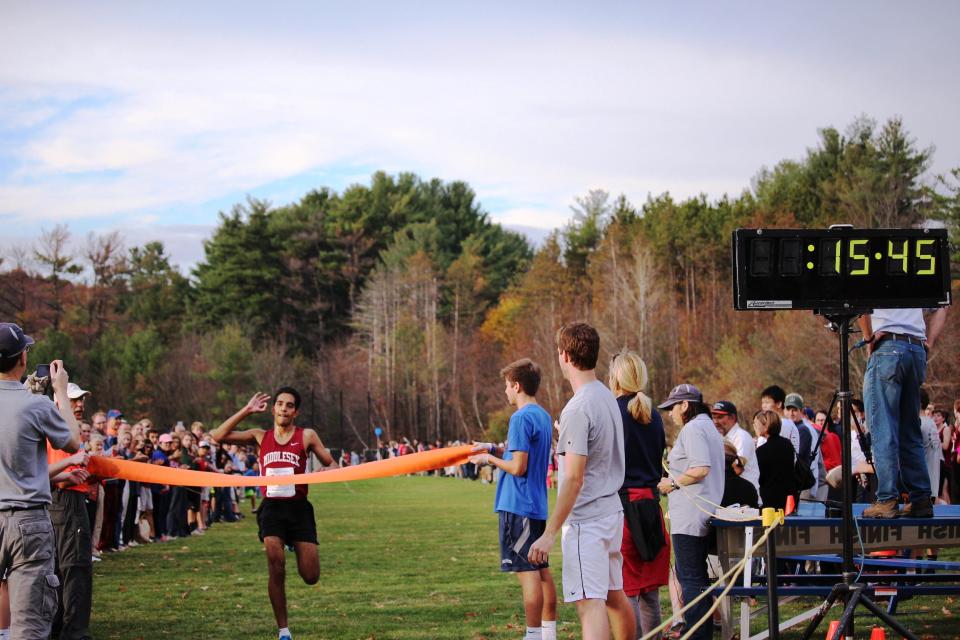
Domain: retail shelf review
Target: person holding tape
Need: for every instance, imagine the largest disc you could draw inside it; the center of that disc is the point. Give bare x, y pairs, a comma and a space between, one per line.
286, 515
521, 500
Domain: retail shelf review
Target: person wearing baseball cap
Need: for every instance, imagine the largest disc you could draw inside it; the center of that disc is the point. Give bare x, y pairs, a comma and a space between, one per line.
695, 483
112, 430
71, 521
13, 341
161, 493
725, 418
26, 421
809, 451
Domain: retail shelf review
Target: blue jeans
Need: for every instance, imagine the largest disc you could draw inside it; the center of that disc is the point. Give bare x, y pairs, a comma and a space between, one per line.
891, 397
690, 561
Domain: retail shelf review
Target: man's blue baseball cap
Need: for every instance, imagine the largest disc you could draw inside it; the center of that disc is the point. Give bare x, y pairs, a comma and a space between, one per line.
13, 340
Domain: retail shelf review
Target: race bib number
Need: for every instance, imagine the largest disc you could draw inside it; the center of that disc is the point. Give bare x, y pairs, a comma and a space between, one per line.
281, 490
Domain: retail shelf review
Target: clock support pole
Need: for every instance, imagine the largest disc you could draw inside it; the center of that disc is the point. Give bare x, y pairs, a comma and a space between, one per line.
849, 591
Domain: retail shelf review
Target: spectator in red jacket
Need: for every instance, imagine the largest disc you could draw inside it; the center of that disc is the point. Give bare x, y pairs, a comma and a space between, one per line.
831, 442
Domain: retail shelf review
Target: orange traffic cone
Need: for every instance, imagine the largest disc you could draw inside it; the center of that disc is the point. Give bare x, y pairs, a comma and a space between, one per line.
832, 631
791, 506
878, 633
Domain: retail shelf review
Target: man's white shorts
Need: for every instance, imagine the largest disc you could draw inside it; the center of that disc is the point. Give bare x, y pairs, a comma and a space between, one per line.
592, 564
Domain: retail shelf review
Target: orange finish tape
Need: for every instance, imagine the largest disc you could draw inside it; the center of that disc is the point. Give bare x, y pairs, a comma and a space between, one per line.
402, 465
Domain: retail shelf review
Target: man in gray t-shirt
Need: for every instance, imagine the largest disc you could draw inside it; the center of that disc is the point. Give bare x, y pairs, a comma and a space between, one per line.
588, 509
27, 422
591, 426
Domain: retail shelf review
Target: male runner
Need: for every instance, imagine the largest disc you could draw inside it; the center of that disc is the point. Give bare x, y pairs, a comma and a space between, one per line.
286, 515
521, 500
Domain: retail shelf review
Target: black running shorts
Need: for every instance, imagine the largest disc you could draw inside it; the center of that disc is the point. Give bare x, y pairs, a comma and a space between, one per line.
290, 520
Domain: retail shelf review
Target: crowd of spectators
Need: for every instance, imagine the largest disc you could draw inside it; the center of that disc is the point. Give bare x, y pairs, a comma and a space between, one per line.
126, 514
756, 471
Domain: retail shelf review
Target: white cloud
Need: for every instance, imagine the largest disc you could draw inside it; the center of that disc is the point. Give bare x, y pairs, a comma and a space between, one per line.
188, 112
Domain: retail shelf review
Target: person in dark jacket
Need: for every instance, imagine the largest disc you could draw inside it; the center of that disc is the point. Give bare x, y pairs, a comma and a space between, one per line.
736, 490
775, 458
645, 547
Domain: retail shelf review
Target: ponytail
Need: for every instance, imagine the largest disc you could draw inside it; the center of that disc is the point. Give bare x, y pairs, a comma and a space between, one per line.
628, 374
640, 407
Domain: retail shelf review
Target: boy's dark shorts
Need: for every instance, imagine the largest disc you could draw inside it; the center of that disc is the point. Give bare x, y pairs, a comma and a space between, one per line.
290, 520
517, 534
193, 498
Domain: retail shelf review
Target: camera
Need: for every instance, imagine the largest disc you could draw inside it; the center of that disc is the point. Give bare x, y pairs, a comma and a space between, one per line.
43, 371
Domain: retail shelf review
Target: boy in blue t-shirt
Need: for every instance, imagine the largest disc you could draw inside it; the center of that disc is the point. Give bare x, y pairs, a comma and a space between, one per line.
521, 500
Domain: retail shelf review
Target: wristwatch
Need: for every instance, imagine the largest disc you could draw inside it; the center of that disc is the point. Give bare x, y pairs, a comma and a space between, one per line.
673, 485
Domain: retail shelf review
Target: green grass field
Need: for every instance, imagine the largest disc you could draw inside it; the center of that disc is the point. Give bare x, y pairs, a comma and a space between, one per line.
403, 558
409, 557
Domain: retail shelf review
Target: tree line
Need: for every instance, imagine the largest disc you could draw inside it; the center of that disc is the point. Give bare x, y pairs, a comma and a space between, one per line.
394, 304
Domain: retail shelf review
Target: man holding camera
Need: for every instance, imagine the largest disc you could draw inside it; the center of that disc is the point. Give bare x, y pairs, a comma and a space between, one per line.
27, 422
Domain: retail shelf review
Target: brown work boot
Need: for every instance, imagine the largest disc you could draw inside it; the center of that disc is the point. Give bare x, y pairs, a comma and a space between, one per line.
885, 509
918, 510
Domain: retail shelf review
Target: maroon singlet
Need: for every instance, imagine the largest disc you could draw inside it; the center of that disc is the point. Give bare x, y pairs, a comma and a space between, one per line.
283, 459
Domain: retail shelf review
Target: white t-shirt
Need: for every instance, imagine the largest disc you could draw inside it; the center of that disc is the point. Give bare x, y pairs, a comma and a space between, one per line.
591, 425
747, 450
856, 452
932, 452
816, 465
908, 321
789, 431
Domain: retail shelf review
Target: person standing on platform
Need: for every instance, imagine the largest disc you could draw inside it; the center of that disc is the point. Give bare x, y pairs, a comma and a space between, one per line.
898, 341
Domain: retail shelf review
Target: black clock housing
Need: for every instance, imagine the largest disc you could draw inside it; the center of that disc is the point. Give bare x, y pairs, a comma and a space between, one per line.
841, 269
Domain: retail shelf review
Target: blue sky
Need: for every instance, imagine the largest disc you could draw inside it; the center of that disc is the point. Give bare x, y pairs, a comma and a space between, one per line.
149, 118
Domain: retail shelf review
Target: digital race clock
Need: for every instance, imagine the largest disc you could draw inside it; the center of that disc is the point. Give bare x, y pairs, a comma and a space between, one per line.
840, 268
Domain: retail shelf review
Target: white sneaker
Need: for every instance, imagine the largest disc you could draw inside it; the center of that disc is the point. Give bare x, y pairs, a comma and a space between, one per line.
97, 558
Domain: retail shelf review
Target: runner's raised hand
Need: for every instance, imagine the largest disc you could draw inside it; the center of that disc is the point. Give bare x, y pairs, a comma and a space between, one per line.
259, 403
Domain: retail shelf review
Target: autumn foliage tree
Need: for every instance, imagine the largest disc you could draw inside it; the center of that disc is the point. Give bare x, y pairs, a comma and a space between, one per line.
394, 304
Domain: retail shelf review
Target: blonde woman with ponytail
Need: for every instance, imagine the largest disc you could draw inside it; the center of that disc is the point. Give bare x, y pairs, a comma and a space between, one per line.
646, 546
